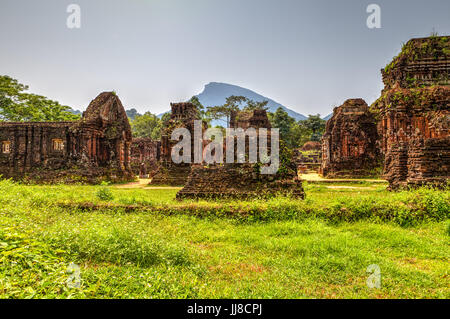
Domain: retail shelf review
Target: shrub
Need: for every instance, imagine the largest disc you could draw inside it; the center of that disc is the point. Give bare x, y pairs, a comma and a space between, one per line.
104, 193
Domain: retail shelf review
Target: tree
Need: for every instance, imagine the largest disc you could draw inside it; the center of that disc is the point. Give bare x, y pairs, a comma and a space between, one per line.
202, 112
281, 120
201, 109
219, 112
316, 125
287, 125
234, 103
252, 105
165, 118
147, 125
132, 113
231, 105
18, 105
299, 135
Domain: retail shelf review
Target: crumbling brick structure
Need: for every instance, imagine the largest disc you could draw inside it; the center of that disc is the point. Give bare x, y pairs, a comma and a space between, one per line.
308, 158
243, 180
169, 173
145, 156
414, 114
90, 150
349, 145
245, 119
237, 181
312, 146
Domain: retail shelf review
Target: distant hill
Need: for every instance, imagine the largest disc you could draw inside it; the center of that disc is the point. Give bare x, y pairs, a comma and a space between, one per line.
216, 93
132, 113
76, 112
326, 118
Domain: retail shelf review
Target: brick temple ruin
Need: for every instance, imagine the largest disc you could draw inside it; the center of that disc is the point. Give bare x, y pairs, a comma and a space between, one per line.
349, 144
241, 180
412, 117
407, 128
169, 173
145, 156
95, 148
414, 114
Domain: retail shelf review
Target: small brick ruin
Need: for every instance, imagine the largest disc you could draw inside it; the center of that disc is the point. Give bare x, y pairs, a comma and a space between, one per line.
237, 181
414, 114
246, 119
241, 180
169, 173
349, 144
312, 146
95, 148
308, 158
145, 157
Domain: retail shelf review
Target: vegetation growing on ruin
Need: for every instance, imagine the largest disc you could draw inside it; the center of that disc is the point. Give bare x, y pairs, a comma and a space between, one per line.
282, 248
415, 49
414, 97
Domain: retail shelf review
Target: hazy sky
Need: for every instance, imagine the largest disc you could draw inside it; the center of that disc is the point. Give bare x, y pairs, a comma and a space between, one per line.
307, 55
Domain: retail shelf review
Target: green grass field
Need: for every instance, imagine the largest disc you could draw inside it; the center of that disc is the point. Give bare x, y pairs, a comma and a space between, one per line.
142, 243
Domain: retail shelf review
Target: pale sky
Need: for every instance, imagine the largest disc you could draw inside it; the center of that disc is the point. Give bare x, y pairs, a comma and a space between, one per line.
307, 55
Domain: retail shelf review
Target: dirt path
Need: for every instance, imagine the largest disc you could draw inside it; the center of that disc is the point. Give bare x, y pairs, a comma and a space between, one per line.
350, 187
143, 183
314, 177
139, 184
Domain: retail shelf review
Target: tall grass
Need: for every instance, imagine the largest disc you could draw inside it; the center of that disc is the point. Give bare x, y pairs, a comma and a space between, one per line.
144, 244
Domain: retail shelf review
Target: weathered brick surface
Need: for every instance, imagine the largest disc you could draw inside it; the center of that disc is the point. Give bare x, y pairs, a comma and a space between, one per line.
312, 146
245, 119
169, 173
237, 181
349, 144
95, 148
414, 114
415, 135
308, 158
145, 156
422, 62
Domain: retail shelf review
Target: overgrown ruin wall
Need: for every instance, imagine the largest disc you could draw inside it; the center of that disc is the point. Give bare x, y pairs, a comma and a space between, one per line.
169, 173
95, 148
245, 119
308, 158
349, 144
414, 114
145, 156
237, 181
243, 180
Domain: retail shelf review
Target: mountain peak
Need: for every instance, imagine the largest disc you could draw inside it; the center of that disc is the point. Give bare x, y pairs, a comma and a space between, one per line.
215, 93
